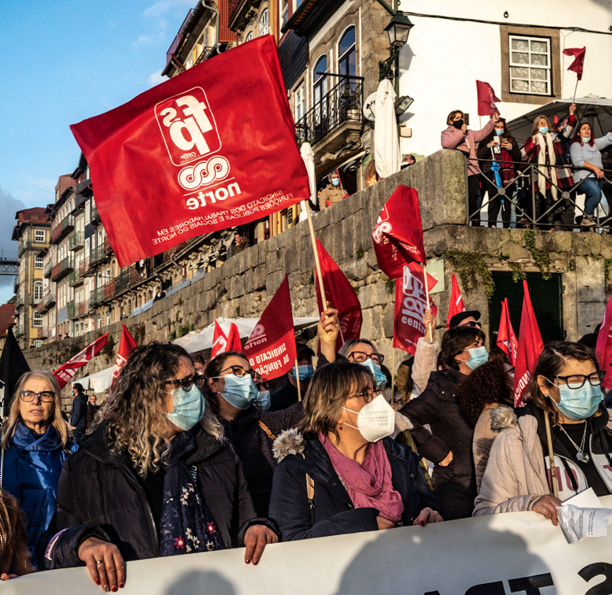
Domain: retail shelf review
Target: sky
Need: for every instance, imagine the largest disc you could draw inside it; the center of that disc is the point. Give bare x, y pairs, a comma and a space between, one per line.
64, 62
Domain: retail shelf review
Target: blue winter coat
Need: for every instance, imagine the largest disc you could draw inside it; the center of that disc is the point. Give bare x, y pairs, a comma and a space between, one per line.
32, 466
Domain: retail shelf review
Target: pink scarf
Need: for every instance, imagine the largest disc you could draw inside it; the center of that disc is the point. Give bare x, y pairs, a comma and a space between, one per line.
369, 485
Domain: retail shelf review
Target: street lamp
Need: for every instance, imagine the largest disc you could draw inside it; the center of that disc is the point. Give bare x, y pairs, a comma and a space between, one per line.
398, 30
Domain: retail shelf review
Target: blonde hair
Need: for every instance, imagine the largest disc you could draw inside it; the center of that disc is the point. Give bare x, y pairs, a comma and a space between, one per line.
10, 426
536, 125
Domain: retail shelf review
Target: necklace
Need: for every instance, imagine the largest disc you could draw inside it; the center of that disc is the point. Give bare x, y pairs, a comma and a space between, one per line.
582, 456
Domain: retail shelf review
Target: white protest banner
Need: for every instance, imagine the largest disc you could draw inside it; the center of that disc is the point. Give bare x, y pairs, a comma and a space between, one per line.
494, 555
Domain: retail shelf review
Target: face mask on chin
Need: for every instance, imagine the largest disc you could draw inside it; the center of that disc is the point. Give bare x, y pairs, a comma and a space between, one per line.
585, 139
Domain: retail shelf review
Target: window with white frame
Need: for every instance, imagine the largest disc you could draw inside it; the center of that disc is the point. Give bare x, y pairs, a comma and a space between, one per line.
249, 37
264, 23
39, 236
346, 51
38, 319
300, 102
39, 262
530, 65
38, 291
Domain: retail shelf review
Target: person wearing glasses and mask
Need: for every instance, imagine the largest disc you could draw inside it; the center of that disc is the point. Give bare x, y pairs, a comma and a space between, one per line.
35, 441
233, 397
155, 479
566, 387
339, 472
287, 395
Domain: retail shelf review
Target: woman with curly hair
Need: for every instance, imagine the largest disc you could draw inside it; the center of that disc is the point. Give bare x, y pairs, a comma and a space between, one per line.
485, 399
154, 479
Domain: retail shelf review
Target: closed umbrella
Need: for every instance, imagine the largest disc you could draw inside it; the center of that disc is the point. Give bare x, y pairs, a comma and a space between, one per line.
309, 162
386, 139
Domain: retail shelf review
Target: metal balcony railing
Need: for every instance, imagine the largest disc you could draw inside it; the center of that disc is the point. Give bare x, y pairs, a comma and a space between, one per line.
98, 256
62, 229
19, 302
76, 241
96, 297
83, 309
74, 278
84, 267
343, 103
72, 309
47, 269
122, 281
48, 300
62, 269
95, 215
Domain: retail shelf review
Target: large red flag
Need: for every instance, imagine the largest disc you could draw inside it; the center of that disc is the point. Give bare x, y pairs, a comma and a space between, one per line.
456, 305
398, 235
233, 339
340, 295
604, 345
530, 346
577, 65
65, 373
219, 341
410, 306
506, 339
271, 347
126, 346
207, 150
486, 99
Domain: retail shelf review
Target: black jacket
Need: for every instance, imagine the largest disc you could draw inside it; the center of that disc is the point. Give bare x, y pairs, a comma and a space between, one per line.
437, 405
253, 446
485, 157
100, 495
333, 512
284, 397
78, 416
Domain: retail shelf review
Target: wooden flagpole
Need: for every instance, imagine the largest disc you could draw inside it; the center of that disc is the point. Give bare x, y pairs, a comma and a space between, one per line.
551, 456
316, 255
297, 378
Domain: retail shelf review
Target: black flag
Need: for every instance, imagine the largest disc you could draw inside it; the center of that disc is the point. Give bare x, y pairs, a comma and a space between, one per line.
12, 365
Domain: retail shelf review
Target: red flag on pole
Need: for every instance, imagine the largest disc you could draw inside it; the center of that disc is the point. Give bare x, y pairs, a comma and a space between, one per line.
577, 65
184, 140
340, 295
410, 306
456, 305
126, 346
506, 339
219, 341
604, 345
65, 373
398, 235
486, 99
271, 347
233, 339
530, 346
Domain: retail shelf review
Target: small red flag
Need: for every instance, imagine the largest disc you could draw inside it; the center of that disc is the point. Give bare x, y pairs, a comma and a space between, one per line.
577, 65
233, 339
126, 346
398, 235
271, 347
456, 305
506, 339
219, 341
604, 345
410, 306
486, 99
340, 295
65, 373
530, 346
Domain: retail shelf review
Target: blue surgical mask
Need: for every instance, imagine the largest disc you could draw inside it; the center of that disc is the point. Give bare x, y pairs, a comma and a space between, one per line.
579, 403
239, 391
478, 356
305, 372
263, 400
379, 377
499, 131
585, 139
188, 408
543, 130
336, 182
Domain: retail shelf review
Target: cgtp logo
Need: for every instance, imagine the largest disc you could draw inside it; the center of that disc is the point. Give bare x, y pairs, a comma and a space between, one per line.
258, 336
383, 226
188, 126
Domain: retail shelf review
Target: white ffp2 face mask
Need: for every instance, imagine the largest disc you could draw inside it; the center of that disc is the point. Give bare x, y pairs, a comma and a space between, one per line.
376, 420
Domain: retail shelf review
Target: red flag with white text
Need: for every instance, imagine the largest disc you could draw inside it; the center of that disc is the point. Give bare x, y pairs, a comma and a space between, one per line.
604, 346
340, 295
577, 65
219, 341
196, 154
65, 373
486, 99
530, 346
410, 306
126, 346
456, 305
506, 339
398, 235
271, 347
233, 339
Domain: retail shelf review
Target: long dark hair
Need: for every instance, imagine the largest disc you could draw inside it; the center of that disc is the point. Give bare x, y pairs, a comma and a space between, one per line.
578, 136
455, 341
213, 370
506, 135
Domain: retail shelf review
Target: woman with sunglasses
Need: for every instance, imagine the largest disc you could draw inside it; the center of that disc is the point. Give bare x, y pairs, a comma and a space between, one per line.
155, 478
35, 440
232, 394
566, 388
339, 472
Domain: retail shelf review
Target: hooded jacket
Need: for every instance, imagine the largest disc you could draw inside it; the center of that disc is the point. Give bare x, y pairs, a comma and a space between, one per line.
100, 495
32, 468
332, 511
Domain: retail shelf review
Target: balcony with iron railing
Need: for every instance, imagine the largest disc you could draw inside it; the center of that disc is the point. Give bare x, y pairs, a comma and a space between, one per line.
83, 309
84, 268
122, 281
98, 256
107, 246
76, 241
19, 302
96, 297
75, 279
109, 290
62, 269
72, 309
29, 244
95, 215
47, 269
62, 229
48, 301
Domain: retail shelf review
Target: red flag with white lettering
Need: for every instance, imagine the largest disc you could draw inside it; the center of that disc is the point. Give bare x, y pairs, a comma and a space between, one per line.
195, 154
65, 373
340, 295
455, 305
126, 346
530, 346
604, 345
219, 341
506, 339
410, 306
233, 339
271, 347
398, 235
486, 99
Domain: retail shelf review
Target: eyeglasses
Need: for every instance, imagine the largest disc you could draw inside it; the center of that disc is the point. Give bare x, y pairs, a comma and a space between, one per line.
185, 383
473, 324
576, 381
368, 395
199, 380
362, 356
238, 371
46, 396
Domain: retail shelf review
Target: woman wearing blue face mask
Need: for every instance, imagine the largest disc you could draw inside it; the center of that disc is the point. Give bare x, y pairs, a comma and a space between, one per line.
566, 387
154, 479
232, 395
287, 395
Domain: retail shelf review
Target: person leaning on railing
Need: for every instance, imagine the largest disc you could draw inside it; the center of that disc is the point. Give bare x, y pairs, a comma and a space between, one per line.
586, 154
